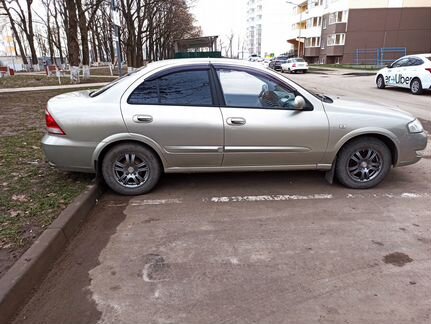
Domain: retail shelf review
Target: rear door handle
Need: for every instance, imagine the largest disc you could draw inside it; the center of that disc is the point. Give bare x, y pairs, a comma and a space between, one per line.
236, 121
142, 118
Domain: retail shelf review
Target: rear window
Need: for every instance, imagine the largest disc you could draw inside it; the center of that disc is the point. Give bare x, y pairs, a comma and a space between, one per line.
299, 60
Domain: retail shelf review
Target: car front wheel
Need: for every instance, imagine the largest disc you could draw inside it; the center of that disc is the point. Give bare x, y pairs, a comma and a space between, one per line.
363, 163
380, 82
131, 169
416, 86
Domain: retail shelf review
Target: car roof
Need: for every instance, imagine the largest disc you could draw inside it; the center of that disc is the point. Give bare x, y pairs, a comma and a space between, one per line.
417, 55
192, 61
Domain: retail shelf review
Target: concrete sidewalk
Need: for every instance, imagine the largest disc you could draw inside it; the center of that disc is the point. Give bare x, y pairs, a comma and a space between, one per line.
57, 87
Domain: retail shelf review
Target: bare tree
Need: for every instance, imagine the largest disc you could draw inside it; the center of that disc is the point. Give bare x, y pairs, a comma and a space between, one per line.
5, 5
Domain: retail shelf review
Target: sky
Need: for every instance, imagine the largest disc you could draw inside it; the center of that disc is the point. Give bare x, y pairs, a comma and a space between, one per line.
222, 17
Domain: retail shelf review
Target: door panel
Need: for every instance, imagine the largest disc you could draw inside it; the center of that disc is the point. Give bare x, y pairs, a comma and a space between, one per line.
261, 126
274, 137
166, 109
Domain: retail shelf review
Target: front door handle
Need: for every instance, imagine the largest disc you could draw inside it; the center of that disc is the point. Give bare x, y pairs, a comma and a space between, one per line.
236, 121
142, 118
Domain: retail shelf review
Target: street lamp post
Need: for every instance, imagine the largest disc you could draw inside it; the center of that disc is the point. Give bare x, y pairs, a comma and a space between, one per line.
300, 21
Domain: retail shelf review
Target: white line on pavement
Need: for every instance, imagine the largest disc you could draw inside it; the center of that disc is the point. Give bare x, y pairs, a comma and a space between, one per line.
263, 198
156, 202
267, 198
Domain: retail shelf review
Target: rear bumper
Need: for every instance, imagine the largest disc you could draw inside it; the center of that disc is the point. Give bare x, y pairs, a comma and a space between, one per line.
68, 155
299, 68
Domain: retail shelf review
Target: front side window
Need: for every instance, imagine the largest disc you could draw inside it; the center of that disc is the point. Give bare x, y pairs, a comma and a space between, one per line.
185, 88
248, 90
400, 63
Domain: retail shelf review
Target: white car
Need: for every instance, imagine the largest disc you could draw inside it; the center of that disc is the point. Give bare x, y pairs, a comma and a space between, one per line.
411, 71
295, 64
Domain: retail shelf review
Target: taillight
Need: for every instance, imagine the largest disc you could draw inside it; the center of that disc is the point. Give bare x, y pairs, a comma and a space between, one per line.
51, 125
429, 70
294, 65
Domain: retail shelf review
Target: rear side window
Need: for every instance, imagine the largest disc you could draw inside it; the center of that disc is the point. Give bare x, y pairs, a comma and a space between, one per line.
415, 61
185, 88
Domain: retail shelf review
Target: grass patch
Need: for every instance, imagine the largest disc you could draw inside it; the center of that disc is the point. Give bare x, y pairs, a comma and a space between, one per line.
18, 81
32, 193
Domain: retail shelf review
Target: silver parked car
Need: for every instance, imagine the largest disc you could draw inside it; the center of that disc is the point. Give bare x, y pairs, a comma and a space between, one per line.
205, 115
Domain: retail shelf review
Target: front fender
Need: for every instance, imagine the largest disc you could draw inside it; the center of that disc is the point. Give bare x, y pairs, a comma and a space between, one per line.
337, 144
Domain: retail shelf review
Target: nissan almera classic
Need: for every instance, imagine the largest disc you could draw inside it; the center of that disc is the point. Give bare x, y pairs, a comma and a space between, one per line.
206, 115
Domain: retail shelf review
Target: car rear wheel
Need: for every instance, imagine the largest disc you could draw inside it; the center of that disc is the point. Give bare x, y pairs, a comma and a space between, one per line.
380, 82
131, 169
416, 86
363, 163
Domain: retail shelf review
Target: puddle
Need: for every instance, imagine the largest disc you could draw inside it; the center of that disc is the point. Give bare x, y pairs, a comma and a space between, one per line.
397, 259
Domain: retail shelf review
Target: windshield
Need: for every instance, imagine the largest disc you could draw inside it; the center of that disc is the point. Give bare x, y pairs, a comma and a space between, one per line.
113, 83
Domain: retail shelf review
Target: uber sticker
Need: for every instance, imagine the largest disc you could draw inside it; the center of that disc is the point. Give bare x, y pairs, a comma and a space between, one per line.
398, 79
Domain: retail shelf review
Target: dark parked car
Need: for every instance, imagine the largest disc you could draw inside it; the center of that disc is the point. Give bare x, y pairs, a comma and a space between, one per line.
275, 64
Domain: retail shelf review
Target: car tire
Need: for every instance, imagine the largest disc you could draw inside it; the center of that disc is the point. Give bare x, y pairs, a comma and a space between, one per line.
131, 169
416, 86
380, 82
363, 163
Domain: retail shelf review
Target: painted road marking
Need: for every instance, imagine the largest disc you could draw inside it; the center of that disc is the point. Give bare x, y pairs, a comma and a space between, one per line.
267, 198
156, 202
274, 198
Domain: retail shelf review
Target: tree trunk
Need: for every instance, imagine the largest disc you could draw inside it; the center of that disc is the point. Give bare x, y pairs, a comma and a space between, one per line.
73, 44
30, 37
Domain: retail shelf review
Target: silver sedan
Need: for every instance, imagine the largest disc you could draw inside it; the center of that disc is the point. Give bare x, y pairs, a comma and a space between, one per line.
210, 115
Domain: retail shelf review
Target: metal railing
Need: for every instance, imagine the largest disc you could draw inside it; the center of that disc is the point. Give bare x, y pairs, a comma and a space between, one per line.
378, 56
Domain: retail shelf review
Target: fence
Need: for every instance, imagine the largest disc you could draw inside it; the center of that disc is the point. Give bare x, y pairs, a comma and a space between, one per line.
378, 56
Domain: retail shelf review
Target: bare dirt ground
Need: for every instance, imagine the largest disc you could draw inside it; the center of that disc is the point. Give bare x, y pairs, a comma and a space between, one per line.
23, 81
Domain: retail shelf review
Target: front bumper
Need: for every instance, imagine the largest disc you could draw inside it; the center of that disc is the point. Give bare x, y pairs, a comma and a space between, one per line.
68, 155
411, 148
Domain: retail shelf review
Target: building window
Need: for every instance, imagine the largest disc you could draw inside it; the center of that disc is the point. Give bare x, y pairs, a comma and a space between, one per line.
338, 17
312, 42
336, 39
314, 22
324, 22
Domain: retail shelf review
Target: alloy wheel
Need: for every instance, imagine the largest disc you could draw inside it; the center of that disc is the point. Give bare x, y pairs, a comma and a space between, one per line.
131, 170
364, 165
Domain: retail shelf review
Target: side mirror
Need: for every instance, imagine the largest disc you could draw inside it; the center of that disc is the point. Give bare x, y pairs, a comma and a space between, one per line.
299, 103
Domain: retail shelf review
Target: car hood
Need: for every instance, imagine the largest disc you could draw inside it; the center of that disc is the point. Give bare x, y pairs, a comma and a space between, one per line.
366, 108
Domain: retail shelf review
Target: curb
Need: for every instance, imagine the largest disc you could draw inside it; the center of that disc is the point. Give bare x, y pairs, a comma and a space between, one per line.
30, 269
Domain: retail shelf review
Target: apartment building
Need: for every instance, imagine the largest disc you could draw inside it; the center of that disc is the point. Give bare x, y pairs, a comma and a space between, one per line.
352, 31
266, 27
7, 47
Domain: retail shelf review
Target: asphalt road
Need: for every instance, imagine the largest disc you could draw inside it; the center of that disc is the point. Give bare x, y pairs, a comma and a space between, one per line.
280, 247
348, 85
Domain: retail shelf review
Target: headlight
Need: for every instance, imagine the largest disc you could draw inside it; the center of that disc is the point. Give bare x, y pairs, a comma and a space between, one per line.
415, 126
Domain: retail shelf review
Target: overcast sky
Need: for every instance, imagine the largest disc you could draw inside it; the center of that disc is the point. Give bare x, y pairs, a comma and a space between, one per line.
221, 17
